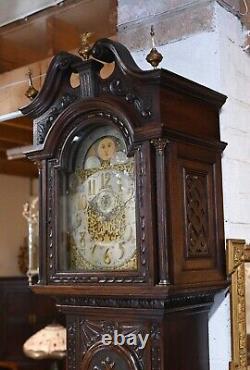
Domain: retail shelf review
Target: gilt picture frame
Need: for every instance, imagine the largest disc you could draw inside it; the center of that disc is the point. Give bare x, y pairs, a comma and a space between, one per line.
238, 254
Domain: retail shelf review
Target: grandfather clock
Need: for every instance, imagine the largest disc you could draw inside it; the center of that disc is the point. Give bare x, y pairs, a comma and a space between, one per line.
131, 220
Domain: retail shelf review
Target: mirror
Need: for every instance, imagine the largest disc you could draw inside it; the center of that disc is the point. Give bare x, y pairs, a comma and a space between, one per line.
238, 269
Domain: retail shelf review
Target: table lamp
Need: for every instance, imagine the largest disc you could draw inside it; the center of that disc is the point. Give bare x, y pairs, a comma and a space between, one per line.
47, 343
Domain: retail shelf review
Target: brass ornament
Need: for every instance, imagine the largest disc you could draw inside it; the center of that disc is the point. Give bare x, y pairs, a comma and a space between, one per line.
120, 167
31, 92
154, 57
85, 48
105, 230
160, 144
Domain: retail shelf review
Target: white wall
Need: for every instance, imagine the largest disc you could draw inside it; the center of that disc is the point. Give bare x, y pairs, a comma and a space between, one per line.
14, 192
235, 128
216, 59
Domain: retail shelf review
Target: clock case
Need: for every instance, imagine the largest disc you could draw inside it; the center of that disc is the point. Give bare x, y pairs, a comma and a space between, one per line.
171, 126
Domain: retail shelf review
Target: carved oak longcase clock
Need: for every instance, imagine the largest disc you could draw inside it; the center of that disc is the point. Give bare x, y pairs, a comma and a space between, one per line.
131, 222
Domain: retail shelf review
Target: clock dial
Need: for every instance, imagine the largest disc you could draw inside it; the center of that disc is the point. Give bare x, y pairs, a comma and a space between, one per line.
102, 230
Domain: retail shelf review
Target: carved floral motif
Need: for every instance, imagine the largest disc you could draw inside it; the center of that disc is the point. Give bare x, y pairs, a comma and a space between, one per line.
168, 302
106, 364
117, 87
160, 144
43, 124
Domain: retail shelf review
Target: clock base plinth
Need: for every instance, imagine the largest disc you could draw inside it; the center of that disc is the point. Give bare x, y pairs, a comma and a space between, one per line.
136, 337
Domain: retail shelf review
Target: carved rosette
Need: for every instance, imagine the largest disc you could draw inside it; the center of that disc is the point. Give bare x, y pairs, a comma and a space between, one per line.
106, 364
97, 356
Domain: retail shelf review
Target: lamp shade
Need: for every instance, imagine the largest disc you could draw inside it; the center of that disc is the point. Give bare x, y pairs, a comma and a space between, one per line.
49, 342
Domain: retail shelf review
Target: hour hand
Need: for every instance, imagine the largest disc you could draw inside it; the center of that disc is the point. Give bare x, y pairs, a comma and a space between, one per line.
104, 203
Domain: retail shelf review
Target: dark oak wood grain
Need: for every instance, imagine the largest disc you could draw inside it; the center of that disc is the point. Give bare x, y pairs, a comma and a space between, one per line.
171, 125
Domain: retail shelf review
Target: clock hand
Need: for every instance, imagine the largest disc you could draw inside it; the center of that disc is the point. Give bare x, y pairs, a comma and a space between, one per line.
94, 248
122, 251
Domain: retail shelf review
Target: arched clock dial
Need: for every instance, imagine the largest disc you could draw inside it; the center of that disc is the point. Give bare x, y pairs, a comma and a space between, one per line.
102, 205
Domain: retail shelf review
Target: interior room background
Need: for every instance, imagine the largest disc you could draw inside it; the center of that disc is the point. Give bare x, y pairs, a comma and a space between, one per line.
205, 41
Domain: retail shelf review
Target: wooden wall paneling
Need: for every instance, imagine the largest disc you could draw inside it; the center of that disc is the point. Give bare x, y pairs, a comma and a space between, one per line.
22, 314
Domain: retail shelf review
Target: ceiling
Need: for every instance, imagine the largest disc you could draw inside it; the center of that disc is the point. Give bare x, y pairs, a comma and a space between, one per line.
57, 27
34, 30
20, 9
31, 31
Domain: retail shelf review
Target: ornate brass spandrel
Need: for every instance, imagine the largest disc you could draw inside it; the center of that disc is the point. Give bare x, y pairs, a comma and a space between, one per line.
238, 253
84, 174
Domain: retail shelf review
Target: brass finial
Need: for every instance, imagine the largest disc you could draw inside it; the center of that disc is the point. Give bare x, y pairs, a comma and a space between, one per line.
154, 57
85, 47
31, 92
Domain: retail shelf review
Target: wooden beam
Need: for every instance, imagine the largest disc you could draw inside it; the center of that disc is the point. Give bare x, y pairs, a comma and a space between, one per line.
56, 28
23, 167
61, 35
4, 145
15, 135
24, 123
16, 54
17, 152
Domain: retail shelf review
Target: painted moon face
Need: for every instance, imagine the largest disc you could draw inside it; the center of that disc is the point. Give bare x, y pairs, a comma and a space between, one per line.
106, 149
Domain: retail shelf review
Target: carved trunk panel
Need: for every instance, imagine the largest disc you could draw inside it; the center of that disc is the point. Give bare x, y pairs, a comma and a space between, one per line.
196, 213
86, 350
172, 334
195, 204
